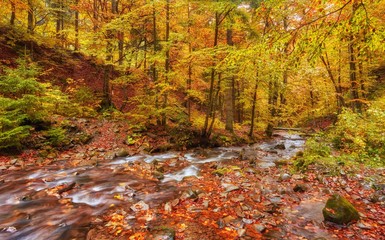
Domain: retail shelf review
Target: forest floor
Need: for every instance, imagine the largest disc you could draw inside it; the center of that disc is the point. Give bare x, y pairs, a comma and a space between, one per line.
243, 201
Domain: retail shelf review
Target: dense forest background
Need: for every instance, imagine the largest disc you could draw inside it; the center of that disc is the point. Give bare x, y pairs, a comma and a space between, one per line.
210, 65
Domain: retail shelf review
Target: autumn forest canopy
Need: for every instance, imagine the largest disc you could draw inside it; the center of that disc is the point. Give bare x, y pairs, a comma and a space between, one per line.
213, 66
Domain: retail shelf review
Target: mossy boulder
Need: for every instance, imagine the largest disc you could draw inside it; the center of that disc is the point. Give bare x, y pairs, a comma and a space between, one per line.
339, 210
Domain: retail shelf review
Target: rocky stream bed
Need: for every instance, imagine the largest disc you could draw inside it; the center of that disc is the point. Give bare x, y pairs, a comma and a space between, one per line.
222, 193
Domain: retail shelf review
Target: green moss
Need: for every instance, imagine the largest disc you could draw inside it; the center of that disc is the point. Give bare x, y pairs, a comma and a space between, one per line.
222, 171
339, 210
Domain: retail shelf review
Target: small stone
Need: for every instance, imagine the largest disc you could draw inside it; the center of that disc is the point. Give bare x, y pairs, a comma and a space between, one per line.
363, 225
275, 200
228, 219
140, 206
241, 232
14, 161
259, 227
10, 229
122, 153
168, 207
14, 168
206, 204
247, 221
239, 198
229, 187
256, 198
297, 177
284, 177
163, 233
221, 223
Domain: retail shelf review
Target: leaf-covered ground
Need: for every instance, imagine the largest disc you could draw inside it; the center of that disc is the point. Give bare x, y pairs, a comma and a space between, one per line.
248, 202
229, 200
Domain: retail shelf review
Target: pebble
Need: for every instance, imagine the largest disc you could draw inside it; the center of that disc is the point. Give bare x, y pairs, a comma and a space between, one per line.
229, 187
247, 221
363, 225
284, 177
140, 206
259, 227
241, 232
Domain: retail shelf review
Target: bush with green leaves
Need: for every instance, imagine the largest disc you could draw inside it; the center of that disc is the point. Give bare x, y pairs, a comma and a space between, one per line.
25, 103
356, 138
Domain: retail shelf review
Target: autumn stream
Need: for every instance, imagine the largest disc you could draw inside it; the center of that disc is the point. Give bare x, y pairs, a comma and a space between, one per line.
54, 202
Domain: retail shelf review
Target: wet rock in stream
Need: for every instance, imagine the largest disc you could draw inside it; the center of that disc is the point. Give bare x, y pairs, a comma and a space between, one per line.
339, 210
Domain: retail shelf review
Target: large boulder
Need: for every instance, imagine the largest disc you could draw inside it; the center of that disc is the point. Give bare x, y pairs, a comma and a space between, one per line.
339, 210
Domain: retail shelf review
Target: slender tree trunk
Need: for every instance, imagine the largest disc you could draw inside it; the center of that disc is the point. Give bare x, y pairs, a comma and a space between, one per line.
13, 13
167, 62
58, 20
210, 105
353, 77
107, 101
355, 98
30, 17
337, 86
154, 71
229, 93
77, 26
254, 104
273, 101
95, 15
189, 71
121, 47
218, 89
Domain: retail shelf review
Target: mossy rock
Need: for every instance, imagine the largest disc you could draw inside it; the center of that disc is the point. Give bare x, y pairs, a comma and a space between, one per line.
122, 153
162, 233
339, 210
221, 171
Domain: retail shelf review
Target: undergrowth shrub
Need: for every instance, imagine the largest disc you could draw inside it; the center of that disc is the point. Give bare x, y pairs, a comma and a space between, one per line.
355, 138
26, 104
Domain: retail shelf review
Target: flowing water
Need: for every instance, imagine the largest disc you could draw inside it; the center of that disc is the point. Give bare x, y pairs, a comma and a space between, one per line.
53, 202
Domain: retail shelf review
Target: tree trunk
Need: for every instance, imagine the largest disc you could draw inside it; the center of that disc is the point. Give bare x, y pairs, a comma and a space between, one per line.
107, 102
77, 26
121, 47
13, 13
337, 86
210, 104
167, 63
354, 86
229, 93
214, 105
30, 17
153, 66
254, 107
189, 72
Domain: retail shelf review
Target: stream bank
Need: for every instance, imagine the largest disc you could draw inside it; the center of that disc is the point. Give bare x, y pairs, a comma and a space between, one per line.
220, 193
